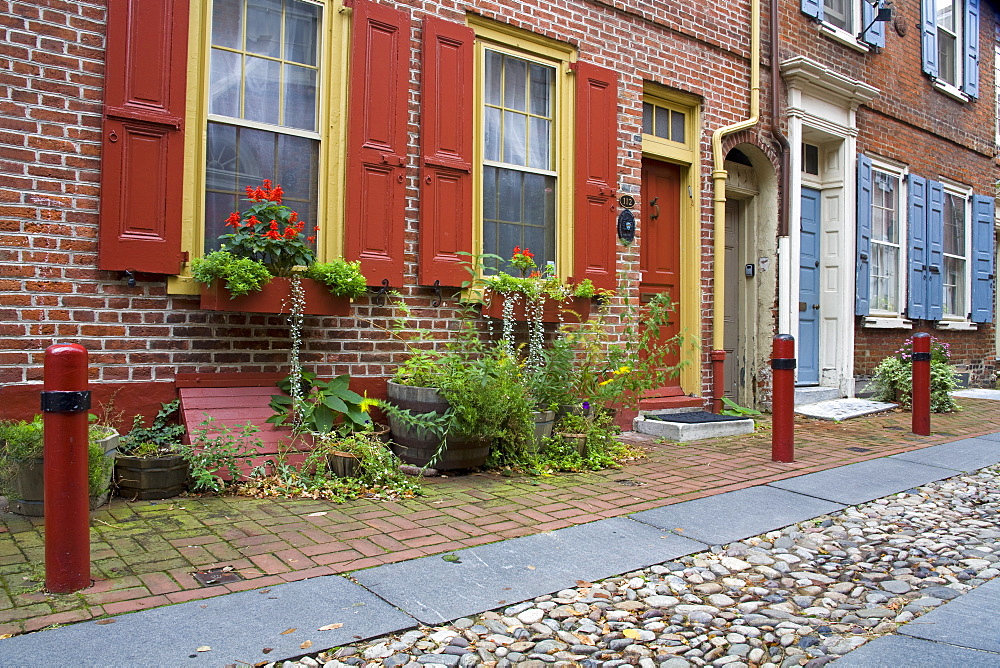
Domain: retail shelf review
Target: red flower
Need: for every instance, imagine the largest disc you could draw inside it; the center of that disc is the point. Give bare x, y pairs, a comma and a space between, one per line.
528, 253
273, 234
233, 220
291, 232
276, 194
311, 239
274, 225
252, 220
517, 250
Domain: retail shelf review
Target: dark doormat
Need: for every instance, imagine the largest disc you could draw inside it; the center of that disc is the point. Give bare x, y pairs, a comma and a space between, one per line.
694, 417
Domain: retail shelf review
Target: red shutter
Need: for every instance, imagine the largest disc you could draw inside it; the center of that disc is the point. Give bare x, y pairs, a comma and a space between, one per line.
596, 175
142, 165
376, 144
446, 140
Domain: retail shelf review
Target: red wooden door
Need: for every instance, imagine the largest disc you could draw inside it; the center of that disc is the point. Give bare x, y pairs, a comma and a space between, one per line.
659, 250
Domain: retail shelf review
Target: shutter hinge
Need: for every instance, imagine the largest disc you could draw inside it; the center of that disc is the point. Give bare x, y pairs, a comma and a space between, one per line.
185, 256
346, 4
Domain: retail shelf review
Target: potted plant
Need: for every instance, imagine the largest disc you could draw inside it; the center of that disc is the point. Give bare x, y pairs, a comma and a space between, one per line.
266, 253
458, 406
150, 464
22, 467
536, 295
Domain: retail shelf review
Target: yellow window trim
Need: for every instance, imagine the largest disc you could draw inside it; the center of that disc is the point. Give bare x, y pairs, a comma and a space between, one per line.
688, 158
332, 128
523, 44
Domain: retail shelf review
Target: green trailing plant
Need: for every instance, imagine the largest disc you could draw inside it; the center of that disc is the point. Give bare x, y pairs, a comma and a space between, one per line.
160, 438
214, 448
325, 405
893, 377
341, 277
242, 275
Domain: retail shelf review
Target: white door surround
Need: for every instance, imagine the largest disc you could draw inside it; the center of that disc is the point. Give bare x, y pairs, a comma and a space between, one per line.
822, 110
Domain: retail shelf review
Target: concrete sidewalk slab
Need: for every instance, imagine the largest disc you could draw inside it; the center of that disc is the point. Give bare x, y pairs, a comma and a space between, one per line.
990, 437
864, 481
843, 409
894, 651
721, 519
237, 627
969, 454
976, 393
435, 590
968, 621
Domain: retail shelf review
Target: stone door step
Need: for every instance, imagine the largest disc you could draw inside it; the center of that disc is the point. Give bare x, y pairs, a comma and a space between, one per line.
843, 409
686, 431
812, 395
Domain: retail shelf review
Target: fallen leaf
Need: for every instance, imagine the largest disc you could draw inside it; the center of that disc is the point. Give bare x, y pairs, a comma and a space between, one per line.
631, 633
306, 645
452, 558
227, 569
530, 568
287, 631
584, 583
204, 648
267, 650
501, 601
319, 514
329, 627
679, 529
102, 622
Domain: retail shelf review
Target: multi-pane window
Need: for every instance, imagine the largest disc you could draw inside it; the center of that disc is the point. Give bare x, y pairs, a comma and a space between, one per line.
949, 31
955, 256
838, 13
664, 122
886, 251
519, 161
263, 106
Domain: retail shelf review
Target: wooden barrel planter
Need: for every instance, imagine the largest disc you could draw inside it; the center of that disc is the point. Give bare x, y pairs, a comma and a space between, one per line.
29, 484
149, 478
417, 446
544, 420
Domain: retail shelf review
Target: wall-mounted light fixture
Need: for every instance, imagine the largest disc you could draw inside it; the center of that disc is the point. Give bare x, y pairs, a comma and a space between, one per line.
883, 13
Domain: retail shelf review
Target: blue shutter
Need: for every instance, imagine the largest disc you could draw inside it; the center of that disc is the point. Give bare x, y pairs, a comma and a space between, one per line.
935, 250
982, 259
928, 26
916, 305
862, 304
813, 8
876, 34
970, 85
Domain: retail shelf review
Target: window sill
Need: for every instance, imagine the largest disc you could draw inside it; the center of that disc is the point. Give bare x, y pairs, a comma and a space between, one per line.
956, 325
949, 90
887, 322
844, 37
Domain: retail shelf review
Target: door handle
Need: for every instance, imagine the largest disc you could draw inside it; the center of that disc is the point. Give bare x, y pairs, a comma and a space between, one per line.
656, 209
816, 306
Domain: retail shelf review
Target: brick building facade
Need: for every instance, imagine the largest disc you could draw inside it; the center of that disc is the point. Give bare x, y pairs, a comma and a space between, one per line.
96, 240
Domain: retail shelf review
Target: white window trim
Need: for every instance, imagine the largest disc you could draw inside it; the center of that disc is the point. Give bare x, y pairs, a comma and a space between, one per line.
880, 318
844, 37
949, 90
954, 321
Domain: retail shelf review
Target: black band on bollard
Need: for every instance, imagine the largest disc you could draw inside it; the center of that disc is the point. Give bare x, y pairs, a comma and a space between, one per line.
783, 363
921, 357
65, 401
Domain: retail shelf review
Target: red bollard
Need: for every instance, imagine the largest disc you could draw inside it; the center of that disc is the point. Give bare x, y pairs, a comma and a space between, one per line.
921, 397
65, 401
718, 379
783, 399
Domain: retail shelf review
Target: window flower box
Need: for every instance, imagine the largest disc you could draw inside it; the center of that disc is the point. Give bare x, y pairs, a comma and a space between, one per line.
571, 309
275, 297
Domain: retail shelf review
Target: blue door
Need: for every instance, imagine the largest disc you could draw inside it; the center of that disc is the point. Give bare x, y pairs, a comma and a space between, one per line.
808, 343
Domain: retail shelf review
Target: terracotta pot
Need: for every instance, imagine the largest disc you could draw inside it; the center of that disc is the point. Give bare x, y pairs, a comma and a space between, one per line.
572, 309
276, 297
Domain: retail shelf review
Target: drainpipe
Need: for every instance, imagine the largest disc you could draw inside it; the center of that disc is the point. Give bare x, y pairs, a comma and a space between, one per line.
783, 145
719, 175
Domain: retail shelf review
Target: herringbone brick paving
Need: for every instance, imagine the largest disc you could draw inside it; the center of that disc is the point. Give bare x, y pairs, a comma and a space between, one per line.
144, 553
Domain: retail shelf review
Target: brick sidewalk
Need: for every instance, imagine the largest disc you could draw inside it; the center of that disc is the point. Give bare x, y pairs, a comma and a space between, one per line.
144, 552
